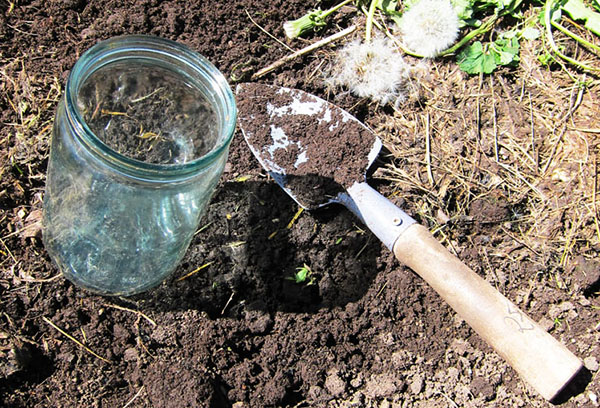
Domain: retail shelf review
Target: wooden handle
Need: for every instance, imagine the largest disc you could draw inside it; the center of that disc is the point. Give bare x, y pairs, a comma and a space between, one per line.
542, 361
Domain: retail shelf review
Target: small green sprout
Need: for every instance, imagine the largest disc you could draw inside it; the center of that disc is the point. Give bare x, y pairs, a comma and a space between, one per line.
243, 178
303, 275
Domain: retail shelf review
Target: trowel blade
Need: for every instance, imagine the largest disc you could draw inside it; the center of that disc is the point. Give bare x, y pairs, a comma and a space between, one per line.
286, 130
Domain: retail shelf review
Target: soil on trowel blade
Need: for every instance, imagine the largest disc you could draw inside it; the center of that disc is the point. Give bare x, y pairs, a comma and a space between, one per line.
318, 149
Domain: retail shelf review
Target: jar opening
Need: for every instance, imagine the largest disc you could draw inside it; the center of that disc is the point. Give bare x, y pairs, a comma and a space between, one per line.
150, 105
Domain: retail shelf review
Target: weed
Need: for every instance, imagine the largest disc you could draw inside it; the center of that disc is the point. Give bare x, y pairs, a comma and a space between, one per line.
429, 27
303, 275
373, 70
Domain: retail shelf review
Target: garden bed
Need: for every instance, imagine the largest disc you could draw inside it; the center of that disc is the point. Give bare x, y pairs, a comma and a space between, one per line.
502, 168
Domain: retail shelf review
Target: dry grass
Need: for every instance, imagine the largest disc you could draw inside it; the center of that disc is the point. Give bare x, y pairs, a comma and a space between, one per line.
31, 97
526, 145
28, 100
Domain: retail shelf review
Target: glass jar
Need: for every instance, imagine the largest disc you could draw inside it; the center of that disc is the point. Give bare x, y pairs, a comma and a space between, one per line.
139, 143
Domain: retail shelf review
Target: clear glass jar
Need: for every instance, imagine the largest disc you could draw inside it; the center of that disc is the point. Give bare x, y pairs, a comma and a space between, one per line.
140, 141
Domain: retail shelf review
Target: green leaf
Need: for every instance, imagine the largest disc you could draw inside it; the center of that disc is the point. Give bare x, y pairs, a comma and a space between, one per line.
387, 6
545, 58
578, 10
530, 33
509, 34
301, 275
504, 4
474, 59
505, 51
409, 3
464, 10
390, 8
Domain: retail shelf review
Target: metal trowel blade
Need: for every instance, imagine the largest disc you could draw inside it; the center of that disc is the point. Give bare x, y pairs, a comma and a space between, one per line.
276, 123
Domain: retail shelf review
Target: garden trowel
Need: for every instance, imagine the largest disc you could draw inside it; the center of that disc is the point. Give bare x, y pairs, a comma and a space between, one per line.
280, 125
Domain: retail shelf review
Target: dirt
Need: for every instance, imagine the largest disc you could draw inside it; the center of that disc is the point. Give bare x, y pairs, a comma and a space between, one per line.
232, 328
148, 114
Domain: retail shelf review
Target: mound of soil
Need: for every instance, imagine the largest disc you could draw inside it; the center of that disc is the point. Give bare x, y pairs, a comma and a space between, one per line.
233, 328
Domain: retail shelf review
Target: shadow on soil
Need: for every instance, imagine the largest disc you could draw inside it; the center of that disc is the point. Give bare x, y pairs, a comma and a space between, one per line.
252, 247
576, 386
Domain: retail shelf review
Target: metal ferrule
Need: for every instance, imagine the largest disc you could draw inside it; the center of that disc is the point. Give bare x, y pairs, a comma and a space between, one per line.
378, 213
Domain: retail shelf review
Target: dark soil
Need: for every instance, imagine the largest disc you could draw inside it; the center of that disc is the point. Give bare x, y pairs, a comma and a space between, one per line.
231, 328
148, 114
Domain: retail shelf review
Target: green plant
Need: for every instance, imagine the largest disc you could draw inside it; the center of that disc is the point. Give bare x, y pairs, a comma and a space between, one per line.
316, 18
475, 55
551, 17
303, 275
310, 21
485, 58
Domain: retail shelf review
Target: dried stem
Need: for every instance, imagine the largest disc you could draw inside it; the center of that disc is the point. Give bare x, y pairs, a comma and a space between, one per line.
126, 309
304, 51
268, 33
137, 394
428, 150
74, 340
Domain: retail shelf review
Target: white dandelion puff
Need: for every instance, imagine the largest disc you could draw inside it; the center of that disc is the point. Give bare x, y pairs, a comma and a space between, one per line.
429, 27
374, 70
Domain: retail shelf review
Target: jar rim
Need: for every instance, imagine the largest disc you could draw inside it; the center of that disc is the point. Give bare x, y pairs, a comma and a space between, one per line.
125, 47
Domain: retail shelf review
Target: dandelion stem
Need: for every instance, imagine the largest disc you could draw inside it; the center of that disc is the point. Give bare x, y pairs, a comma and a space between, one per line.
485, 27
370, 16
548, 23
335, 8
574, 36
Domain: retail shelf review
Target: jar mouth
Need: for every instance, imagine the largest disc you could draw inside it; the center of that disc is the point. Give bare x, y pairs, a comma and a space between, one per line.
162, 55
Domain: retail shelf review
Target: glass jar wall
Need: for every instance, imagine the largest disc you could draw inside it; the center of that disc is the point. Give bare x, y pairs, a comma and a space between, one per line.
139, 143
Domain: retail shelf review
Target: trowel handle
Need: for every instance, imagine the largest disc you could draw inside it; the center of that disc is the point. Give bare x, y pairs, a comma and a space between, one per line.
541, 360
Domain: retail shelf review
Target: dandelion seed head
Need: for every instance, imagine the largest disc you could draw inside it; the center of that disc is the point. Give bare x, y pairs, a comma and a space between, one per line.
373, 70
430, 27
291, 31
